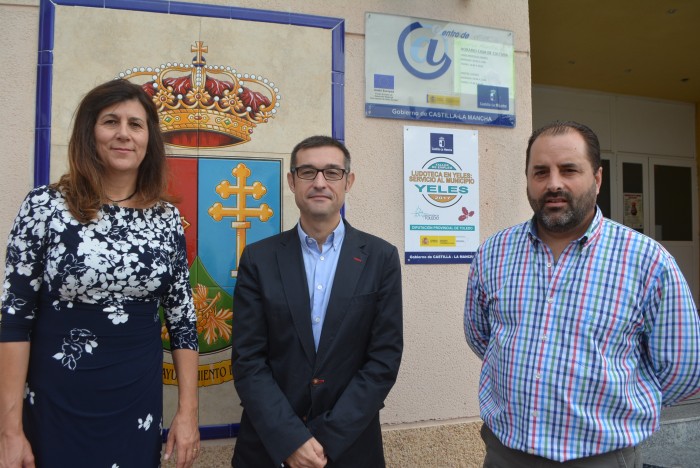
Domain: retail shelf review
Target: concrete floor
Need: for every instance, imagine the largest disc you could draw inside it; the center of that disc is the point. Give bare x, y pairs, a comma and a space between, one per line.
677, 443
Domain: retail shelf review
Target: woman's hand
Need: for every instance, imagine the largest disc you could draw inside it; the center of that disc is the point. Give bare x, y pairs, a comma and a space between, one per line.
184, 438
15, 451
184, 430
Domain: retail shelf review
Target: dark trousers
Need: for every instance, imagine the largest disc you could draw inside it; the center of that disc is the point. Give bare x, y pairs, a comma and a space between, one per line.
500, 456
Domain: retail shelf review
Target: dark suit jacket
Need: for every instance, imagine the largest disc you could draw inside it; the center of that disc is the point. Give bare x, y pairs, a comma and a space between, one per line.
290, 392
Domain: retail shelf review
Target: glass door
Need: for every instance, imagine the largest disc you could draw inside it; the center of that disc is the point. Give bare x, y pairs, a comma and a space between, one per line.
606, 201
658, 197
633, 193
674, 214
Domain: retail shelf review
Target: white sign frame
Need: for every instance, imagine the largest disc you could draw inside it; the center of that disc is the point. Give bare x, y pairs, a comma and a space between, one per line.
422, 69
441, 195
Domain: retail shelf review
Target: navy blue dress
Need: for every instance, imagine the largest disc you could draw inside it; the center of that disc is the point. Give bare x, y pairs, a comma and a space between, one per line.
86, 296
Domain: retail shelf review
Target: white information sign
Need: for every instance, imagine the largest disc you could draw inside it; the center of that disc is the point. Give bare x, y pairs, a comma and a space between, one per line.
421, 69
441, 195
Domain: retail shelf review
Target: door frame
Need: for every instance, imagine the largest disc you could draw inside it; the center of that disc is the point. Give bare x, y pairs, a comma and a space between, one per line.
618, 193
648, 200
694, 281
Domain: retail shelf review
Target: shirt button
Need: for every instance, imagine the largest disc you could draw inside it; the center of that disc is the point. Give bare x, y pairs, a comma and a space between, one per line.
534, 415
544, 338
531, 451
538, 376
317, 319
319, 287
321, 257
549, 265
550, 300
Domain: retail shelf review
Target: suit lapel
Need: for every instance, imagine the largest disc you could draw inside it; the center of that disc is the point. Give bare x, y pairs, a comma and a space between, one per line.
351, 263
291, 267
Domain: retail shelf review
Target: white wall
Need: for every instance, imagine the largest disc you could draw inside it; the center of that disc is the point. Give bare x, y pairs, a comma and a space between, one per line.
439, 375
623, 123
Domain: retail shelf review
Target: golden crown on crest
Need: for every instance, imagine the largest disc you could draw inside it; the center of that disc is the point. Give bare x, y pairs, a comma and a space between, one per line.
211, 105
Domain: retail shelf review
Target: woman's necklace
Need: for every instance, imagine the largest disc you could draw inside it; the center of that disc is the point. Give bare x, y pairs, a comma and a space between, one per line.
117, 202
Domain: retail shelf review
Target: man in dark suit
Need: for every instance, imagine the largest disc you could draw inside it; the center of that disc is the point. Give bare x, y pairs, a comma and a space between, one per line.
317, 328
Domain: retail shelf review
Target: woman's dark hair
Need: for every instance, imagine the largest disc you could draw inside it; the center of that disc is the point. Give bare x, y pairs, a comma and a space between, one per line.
83, 185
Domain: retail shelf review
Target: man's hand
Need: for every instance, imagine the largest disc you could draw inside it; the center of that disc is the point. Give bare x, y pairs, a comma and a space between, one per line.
309, 455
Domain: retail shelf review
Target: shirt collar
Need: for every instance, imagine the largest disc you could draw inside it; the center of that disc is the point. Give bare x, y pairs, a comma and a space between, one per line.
585, 240
335, 239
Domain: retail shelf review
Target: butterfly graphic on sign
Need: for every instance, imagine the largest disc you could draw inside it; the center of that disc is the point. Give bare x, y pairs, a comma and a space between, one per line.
466, 214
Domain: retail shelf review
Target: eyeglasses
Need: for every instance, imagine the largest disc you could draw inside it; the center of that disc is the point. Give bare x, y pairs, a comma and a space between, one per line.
310, 173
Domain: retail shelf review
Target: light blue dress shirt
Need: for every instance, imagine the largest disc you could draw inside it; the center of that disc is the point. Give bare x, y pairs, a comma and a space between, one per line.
320, 265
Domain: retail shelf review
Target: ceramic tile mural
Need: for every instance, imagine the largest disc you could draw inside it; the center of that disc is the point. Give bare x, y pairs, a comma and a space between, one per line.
236, 90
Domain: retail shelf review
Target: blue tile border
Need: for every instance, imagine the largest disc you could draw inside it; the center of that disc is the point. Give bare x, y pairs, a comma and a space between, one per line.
195, 9
222, 431
263, 16
46, 22
42, 139
153, 6
338, 104
44, 79
86, 3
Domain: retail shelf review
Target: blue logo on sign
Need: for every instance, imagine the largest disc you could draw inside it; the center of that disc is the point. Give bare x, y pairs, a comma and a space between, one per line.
492, 97
441, 143
420, 54
383, 81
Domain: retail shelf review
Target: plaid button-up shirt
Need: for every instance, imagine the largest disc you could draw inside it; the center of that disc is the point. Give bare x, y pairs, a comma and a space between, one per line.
580, 354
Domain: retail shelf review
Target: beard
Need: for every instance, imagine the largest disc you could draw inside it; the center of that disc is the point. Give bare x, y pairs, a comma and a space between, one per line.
567, 218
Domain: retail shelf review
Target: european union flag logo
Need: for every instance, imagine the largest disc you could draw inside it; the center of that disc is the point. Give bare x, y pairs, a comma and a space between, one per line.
384, 81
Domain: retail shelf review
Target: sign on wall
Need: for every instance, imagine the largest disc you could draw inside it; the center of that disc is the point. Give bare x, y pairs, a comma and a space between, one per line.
422, 69
441, 195
633, 210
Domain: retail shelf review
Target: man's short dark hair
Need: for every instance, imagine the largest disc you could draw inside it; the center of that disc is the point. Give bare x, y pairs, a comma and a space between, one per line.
319, 141
561, 128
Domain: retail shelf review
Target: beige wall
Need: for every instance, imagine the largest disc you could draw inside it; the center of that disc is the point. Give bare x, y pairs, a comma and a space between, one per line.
436, 393
19, 34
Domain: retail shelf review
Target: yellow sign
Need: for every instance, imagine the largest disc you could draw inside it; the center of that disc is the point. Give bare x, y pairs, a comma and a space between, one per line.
215, 373
442, 99
438, 241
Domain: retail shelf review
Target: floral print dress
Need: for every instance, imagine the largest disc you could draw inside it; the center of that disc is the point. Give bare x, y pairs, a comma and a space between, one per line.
87, 297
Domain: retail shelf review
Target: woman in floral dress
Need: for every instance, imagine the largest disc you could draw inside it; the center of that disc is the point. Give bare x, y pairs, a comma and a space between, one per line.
89, 261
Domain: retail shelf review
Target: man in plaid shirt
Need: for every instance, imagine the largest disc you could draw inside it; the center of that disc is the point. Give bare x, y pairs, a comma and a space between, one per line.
586, 327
